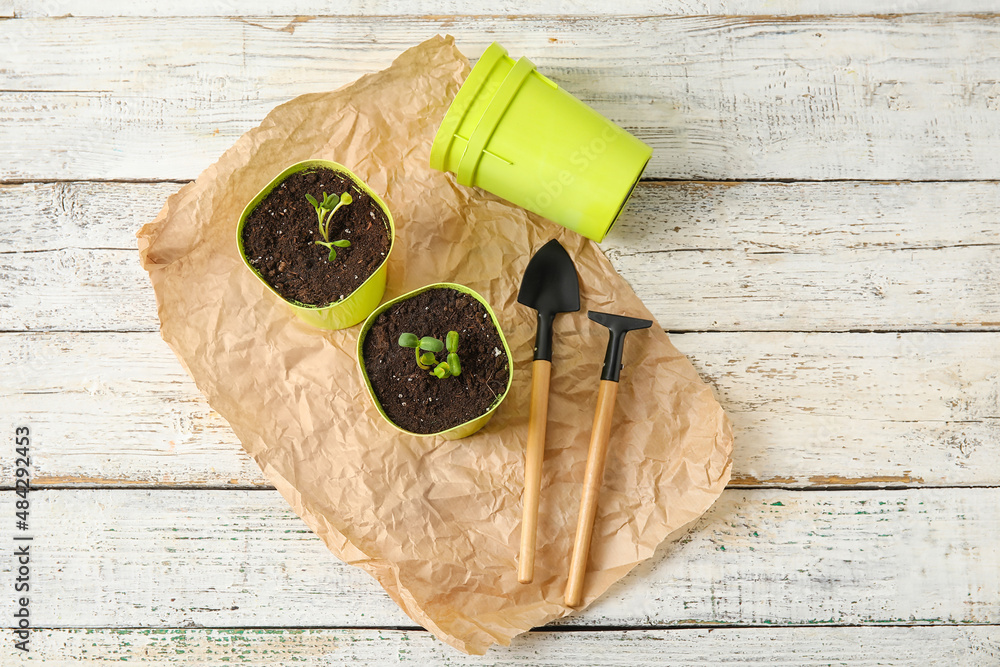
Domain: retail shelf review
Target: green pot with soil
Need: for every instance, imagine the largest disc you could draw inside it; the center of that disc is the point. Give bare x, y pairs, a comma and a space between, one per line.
319, 238
435, 361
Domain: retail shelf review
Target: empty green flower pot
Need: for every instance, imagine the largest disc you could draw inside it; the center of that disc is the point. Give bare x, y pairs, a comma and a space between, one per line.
515, 133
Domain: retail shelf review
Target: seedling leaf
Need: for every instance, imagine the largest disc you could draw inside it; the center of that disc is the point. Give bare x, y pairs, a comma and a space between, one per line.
431, 344
408, 340
454, 364
330, 246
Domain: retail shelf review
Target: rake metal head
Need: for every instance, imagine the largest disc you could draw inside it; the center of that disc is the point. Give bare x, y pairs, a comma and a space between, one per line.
618, 326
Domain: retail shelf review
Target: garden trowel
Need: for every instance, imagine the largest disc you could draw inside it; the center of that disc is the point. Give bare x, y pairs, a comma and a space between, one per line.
550, 286
618, 325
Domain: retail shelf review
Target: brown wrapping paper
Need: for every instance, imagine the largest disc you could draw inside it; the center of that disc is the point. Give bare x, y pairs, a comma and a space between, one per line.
436, 522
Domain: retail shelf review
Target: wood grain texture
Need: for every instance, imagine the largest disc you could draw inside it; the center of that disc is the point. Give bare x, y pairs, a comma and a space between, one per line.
813, 256
119, 571
534, 456
876, 404
863, 647
309, 8
124, 558
593, 480
805, 97
702, 256
114, 409
808, 410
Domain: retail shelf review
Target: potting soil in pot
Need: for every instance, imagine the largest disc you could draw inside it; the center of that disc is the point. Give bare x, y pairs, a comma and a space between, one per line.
279, 238
414, 398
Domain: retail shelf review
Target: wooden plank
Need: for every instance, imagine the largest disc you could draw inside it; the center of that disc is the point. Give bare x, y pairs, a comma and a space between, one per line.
806, 97
813, 256
69, 250
76, 290
126, 558
114, 409
78, 215
949, 646
921, 407
117, 409
702, 256
113, 8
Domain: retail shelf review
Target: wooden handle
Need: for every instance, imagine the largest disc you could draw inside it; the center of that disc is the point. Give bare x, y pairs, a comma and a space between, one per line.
592, 479
541, 370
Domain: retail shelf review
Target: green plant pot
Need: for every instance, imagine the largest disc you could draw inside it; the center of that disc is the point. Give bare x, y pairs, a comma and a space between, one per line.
515, 133
357, 305
462, 430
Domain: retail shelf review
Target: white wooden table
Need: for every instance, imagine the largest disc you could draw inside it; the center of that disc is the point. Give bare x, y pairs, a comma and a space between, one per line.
819, 231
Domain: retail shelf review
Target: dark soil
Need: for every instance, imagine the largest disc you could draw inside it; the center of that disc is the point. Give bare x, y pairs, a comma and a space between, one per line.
412, 397
279, 238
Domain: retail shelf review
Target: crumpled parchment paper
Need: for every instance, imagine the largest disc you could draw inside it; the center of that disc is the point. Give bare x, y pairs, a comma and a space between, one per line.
436, 522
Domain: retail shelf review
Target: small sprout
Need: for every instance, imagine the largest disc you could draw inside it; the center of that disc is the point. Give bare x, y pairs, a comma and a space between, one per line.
431, 346
428, 344
324, 213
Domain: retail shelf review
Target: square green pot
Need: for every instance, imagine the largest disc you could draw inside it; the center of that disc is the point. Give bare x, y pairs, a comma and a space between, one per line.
469, 427
357, 305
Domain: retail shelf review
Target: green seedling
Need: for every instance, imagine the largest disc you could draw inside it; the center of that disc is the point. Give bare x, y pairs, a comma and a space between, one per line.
324, 213
423, 348
427, 347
